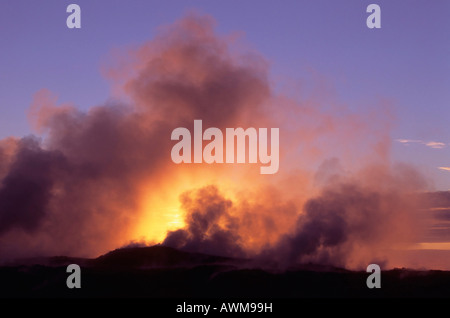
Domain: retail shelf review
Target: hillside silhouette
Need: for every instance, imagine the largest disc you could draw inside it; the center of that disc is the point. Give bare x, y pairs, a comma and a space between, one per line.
164, 272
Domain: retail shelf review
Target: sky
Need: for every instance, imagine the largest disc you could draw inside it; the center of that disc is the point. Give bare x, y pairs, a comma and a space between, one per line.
406, 62
363, 117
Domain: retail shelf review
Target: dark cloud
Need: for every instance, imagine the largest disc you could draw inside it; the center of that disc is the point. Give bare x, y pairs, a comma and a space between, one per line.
344, 218
26, 189
210, 228
78, 189
349, 223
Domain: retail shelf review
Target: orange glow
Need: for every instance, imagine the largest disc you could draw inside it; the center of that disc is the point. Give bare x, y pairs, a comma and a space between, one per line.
432, 246
160, 208
109, 179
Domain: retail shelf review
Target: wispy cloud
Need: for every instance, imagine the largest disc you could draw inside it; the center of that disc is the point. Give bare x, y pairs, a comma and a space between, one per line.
430, 144
444, 168
436, 144
408, 141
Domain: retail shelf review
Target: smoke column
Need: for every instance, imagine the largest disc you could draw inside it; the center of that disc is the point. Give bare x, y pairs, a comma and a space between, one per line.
92, 181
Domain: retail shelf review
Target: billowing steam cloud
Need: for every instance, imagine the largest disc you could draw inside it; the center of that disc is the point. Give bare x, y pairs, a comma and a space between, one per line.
348, 224
352, 223
210, 227
79, 188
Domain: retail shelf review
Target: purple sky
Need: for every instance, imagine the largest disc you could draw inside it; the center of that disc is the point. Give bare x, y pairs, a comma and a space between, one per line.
406, 62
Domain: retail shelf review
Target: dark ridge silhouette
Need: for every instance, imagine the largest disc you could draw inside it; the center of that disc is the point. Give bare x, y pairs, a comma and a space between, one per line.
164, 272
156, 257
53, 261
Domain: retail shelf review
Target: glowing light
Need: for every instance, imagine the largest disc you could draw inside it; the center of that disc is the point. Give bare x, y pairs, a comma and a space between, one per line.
431, 246
161, 210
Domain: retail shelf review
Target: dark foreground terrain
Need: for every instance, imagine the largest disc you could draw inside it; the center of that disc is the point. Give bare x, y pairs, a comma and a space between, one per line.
163, 272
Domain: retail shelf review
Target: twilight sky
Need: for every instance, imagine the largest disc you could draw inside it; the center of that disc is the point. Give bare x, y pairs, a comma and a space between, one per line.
363, 118
406, 63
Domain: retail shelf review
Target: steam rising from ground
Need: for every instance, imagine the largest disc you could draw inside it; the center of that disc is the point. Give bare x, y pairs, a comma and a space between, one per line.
79, 188
350, 223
